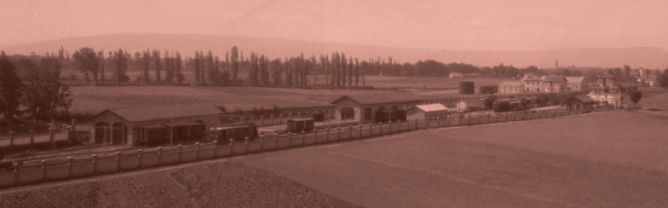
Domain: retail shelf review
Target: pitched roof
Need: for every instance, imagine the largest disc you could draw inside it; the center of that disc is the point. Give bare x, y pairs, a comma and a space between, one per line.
584, 98
553, 78
163, 112
385, 98
431, 107
574, 79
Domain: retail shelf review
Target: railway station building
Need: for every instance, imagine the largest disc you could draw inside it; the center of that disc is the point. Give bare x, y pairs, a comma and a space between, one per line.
125, 126
368, 108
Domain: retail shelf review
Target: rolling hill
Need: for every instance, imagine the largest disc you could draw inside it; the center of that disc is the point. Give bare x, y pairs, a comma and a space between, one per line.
647, 57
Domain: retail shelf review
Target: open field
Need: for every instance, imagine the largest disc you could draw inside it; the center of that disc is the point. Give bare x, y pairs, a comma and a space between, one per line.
213, 185
614, 159
95, 99
607, 160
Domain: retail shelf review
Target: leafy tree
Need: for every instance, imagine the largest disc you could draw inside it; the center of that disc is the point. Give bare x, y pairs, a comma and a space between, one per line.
196, 66
100, 55
635, 96
324, 62
157, 65
146, 65
350, 72
288, 72
234, 55
87, 62
10, 89
225, 77
357, 72
43, 93
177, 66
264, 71
277, 71
662, 79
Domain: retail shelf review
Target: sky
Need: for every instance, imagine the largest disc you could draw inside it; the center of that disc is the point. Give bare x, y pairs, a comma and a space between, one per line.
500, 25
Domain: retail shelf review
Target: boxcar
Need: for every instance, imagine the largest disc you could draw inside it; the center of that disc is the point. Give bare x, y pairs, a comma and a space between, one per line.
299, 124
237, 132
174, 132
507, 105
318, 117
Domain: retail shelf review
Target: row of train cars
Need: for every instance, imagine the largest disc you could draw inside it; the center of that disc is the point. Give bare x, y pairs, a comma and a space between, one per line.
160, 134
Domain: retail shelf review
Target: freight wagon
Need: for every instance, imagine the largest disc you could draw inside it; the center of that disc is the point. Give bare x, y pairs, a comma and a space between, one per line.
300, 124
237, 132
507, 105
170, 133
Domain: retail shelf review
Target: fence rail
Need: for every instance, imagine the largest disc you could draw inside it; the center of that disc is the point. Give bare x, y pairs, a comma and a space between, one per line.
154, 157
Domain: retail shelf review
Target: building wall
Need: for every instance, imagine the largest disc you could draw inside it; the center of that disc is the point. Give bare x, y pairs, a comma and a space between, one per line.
613, 98
111, 118
510, 89
348, 103
415, 114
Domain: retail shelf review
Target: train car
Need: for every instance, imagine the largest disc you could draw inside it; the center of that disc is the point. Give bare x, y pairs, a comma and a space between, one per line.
507, 105
237, 132
318, 117
170, 133
298, 125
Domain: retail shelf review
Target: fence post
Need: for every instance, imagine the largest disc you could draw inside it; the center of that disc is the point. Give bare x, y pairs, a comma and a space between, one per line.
139, 156
69, 167
51, 137
327, 138
303, 138
44, 178
280, 121
438, 122
479, 118
179, 152
94, 164
246, 143
350, 132
390, 126
231, 146
289, 140
16, 173
118, 161
276, 140
380, 125
160, 155
32, 138
11, 138
261, 120
370, 129
339, 137
416, 124
261, 143
315, 136
361, 130
196, 150
272, 119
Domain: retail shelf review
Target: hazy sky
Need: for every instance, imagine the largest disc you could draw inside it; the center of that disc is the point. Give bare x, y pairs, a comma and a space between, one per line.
430, 24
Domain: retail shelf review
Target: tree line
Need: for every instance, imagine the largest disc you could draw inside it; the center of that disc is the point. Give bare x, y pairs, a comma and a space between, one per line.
36, 91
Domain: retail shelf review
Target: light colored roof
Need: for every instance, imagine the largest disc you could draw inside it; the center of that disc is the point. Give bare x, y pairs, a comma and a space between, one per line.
553, 78
385, 98
513, 83
456, 73
163, 112
431, 107
574, 79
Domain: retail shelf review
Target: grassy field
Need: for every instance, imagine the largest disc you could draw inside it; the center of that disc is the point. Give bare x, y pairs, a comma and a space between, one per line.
608, 160
216, 185
614, 159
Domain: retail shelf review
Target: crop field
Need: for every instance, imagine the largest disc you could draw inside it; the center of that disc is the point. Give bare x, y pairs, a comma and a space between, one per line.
613, 159
95, 99
214, 185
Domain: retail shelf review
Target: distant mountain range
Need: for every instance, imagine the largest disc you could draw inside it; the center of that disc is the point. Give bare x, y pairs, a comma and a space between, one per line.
646, 57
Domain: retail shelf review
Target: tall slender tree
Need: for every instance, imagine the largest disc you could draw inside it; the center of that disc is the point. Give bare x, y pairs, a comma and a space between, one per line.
10, 89
357, 72
177, 66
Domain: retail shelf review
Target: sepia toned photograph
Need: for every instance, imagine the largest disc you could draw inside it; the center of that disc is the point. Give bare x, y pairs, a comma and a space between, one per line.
295, 103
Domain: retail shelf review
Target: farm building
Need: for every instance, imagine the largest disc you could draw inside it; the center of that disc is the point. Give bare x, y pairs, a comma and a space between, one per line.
510, 87
574, 84
606, 90
578, 101
422, 112
377, 107
131, 125
474, 104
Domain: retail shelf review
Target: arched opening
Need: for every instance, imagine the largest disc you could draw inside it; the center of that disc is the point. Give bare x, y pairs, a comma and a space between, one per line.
120, 134
102, 132
395, 107
347, 113
381, 108
367, 113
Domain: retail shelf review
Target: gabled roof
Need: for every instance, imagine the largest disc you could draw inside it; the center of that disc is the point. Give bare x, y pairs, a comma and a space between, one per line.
431, 107
384, 98
553, 78
577, 80
163, 112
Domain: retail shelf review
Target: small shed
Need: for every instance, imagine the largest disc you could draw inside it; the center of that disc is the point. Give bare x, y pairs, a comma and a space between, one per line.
298, 124
577, 101
470, 105
422, 112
